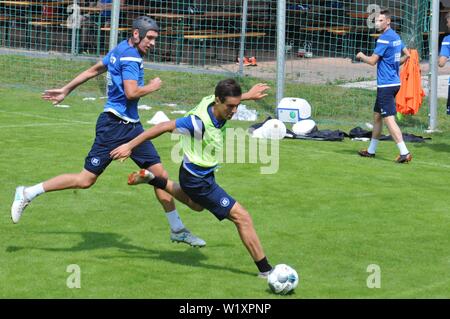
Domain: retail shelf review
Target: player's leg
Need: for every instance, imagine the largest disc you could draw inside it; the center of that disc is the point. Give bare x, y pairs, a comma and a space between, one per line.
206, 192
376, 130
147, 176
95, 163
394, 129
377, 126
146, 157
83, 180
24, 195
388, 114
244, 224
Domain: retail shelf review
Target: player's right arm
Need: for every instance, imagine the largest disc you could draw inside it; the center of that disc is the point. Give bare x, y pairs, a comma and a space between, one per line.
124, 150
58, 95
133, 91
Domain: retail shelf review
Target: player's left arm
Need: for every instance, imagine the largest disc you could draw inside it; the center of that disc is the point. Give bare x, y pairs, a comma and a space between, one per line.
405, 56
124, 150
257, 92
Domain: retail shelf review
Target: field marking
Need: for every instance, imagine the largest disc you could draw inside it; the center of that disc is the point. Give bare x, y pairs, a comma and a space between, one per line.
90, 123
43, 124
45, 117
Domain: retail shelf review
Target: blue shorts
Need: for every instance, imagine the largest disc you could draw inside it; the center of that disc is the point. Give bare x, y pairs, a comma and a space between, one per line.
385, 103
205, 192
111, 132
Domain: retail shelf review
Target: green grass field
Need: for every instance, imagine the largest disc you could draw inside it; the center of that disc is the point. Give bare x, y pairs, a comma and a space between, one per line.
327, 212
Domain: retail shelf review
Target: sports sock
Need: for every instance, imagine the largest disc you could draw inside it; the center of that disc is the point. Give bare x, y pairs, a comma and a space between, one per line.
175, 221
34, 191
373, 146
159, 182
263, 265
402, 147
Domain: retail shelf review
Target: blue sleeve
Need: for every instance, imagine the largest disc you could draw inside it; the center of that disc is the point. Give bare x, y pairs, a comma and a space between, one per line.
106, 58
381, 47
130, 62
445, 48
186, 126
130, 70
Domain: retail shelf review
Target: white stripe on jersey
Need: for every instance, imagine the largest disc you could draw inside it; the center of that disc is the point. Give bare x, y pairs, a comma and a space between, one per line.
138, 60
445, 43
388, 85
383, 41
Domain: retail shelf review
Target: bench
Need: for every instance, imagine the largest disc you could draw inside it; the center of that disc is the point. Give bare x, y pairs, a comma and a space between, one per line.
42, 24
204, 37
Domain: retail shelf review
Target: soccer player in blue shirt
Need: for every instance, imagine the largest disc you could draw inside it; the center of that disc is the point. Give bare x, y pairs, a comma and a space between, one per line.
388, 58
117, 124
444, 55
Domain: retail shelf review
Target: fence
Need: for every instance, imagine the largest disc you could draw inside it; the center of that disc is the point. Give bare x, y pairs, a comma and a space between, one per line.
322, 36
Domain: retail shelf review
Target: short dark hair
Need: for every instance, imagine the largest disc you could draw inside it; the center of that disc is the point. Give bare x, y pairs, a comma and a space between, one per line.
226, 88
386, 13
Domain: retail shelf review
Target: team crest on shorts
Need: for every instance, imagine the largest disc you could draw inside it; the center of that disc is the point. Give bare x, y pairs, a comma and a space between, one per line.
95, 161
224, 202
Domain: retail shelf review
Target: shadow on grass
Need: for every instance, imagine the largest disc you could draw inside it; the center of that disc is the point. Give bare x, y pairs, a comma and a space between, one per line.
96, 241
354, 153
438, 147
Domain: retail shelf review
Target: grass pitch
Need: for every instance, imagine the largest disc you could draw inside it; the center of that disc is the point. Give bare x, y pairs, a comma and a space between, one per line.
327, 212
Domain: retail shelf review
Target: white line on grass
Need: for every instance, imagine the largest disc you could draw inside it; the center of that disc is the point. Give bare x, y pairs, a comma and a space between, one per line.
45, 117
42, 124
82, 122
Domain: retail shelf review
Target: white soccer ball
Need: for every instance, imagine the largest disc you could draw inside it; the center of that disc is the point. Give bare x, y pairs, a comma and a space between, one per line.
282, 279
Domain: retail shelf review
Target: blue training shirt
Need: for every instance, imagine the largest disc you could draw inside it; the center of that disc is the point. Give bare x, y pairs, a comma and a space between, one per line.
123, 63
389, 49
445, 49
192, 125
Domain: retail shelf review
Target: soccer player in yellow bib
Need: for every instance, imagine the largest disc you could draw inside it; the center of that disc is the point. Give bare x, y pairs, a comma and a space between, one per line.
203, 131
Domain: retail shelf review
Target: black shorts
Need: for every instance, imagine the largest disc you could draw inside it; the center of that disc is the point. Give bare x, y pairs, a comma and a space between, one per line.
111, 132
207, 193
385, 103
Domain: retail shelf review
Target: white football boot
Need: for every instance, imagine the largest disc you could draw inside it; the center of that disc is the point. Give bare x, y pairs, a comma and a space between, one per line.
19, 204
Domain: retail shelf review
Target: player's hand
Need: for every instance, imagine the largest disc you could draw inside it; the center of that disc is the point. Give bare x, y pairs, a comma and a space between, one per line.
360, 56
121, 153
257, 91
55, 95
155, 84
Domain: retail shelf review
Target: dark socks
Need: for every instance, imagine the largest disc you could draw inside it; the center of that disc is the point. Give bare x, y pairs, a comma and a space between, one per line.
159, 182
263, 265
